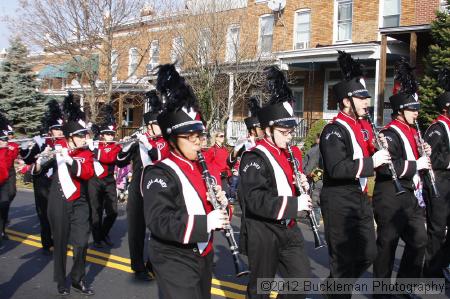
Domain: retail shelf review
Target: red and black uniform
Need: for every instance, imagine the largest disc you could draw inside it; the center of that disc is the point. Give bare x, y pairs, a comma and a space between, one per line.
7, 157
399, 216
438, 209
346, 145
42, 181
102, 190
140, 157
176, 209
269, 208
68, 212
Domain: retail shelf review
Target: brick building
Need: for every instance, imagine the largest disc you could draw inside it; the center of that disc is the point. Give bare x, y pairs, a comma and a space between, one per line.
302, 38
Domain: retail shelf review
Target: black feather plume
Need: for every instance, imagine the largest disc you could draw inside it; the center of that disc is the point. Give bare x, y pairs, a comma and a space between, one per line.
52, 114
350, 68
3, 122
95, 129
72, 109
153, 100
253, 105
174, 88
108, 115
405, 76
444, 79
277, 85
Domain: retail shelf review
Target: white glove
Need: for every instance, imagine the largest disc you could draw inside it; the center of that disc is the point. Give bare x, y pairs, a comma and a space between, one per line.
65, 155
39, 140
25, 145
304, 203
126, 146
304, 181
90, 144
144, 140
381, 157
217, 219
427, 149
239, 144
423, 163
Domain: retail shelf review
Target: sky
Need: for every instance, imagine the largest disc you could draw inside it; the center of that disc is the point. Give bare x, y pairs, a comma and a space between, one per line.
7, 8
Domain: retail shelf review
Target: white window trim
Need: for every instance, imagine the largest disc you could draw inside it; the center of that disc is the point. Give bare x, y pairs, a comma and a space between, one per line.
335, 23
294, 40
228, 57
300, 89
175, 53
205, 32
259, 35
152, 43
130, 73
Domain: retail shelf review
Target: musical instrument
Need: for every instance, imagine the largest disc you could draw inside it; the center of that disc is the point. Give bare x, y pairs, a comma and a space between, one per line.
239, 266
421, 145
380, 145
318, 243
52, 153
22, 140
317, 174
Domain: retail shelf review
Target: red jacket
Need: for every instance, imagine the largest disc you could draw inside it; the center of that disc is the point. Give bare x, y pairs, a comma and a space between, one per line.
106, 154
14, 152
217, 157
6, 160
82, 169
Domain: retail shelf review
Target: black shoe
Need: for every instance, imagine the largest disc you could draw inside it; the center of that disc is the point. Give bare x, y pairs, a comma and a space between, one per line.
98, 244
5, 237
82, 288
143, 275
63, 291
108, 242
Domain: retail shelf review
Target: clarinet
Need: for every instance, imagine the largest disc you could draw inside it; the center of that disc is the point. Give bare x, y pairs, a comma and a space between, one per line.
318, 243
398, 187
434, 189
229, 233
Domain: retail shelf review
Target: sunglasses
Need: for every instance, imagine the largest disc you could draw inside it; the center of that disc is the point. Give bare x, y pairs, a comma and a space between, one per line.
221, 135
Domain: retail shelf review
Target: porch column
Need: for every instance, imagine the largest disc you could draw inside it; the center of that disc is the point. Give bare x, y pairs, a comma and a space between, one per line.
382, 80
230, 105
121, 115
82, 102
413, 49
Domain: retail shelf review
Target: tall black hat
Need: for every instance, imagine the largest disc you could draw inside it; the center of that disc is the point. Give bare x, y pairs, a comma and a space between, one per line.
443, 101
53, 117
3, 126
279, 111
180, 112
108, 124
253, 106
75, 124
154, 107
405, 95
353, 84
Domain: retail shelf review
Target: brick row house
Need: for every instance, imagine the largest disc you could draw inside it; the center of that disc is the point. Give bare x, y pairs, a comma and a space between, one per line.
302, 38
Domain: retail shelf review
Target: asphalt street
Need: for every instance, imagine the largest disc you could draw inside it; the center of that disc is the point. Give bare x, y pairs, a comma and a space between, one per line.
26, 273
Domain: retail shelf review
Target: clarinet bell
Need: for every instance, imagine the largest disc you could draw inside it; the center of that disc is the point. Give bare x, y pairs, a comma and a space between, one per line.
398, 187
240, 267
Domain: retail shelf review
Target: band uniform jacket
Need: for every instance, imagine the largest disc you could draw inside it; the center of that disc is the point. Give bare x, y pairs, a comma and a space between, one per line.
262, 206
105, 159
437, 137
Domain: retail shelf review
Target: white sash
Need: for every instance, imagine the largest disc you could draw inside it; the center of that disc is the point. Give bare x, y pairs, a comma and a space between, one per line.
194, 204
145, 158
418, 185
98, 168
67, 185
357, 153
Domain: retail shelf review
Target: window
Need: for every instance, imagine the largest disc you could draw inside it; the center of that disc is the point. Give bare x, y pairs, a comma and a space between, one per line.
114, 64
133, 61
232, 43
154, 54
344, 20
302, 29
391, 13
204, 46
265, 34
298, 94
177, 51
129, 116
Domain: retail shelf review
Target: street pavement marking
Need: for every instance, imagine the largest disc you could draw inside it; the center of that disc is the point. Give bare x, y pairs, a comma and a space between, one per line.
31, 241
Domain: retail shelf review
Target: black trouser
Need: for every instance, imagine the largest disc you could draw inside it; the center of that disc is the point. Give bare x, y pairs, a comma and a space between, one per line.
272, 248
12, 190
136, 225
102, 197
399, 217
4, 204
438, 218
41, 186
349, 231
181, 272
70, 225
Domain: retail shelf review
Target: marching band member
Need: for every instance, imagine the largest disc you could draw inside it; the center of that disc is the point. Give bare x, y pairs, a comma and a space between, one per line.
270, 204
177, 211
52, 123
438, 209
150, 148
401, 215
68, 208
347, 150
7, 156
102, 187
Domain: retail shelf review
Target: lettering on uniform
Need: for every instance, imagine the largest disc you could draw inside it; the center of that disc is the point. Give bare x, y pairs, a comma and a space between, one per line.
251, 164
161, 145
107, 150
388, 138
434, 132
79, 159
161, 182
333, 133
365, 134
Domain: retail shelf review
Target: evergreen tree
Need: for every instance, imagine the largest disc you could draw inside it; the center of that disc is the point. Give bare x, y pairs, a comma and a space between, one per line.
23, 105
438, 57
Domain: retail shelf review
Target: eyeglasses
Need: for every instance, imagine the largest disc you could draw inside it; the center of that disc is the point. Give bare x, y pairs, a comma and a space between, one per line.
286, 133
193, 137
221, 135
